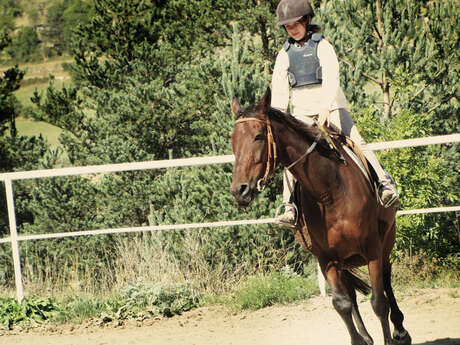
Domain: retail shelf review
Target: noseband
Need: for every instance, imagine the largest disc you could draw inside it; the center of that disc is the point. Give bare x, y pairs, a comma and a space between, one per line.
271, 151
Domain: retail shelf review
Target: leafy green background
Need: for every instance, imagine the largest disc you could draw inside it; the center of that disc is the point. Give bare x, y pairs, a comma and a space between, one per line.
154, 80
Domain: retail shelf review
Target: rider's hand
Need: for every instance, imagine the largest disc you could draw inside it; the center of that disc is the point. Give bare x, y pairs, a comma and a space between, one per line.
323, 117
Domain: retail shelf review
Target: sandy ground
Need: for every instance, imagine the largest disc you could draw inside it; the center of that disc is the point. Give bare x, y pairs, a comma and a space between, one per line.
432, 318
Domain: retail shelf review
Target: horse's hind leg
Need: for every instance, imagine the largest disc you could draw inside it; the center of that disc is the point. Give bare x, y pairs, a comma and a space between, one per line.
356, 314
400, 335
342, 301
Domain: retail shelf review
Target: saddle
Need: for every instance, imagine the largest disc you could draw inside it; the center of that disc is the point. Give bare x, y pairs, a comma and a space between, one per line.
355, 153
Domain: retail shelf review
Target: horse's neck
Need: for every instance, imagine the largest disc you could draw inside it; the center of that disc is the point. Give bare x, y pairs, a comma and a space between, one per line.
293, 145
315, 171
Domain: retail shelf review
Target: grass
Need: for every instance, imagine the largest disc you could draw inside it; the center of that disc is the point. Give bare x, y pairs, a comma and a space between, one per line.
26, 91
43, 69
78, 309
454, 294
37, 79
421, 271
273, 289
137, 301
29, 127
143, 300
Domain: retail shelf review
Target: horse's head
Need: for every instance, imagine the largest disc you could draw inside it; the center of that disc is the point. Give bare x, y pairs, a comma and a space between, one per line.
253, 146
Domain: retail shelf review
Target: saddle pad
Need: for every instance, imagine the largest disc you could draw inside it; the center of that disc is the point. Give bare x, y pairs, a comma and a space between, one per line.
357, 161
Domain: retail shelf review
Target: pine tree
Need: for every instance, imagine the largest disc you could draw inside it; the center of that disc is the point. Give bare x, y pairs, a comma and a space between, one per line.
402, 52
204, 190
16, 153
400, 65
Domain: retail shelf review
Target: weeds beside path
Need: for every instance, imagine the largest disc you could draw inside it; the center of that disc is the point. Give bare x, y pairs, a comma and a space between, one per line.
432, 317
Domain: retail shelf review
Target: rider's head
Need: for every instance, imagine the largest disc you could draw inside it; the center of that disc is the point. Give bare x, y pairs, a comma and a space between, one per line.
295, 16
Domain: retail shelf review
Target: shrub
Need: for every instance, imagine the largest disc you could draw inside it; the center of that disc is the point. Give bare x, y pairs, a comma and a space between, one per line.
31, 310
159, 299
25, 45
275, 288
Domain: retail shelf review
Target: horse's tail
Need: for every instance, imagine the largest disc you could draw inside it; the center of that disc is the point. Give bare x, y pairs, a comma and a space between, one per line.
351, 277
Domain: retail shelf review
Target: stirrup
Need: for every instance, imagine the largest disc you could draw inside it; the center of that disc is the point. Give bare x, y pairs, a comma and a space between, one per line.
296, 215
394, 200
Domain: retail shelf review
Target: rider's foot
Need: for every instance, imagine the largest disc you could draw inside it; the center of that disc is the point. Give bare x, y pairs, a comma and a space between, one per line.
388, 194
288, 218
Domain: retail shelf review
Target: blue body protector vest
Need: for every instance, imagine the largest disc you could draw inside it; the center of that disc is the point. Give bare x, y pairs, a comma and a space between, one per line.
304, 68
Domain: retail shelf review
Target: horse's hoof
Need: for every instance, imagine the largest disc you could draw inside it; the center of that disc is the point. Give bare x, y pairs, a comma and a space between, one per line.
401, 338
368, 340
363, 341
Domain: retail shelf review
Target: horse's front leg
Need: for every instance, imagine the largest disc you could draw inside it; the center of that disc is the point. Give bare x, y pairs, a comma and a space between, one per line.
341, 300
379, 301
400, 335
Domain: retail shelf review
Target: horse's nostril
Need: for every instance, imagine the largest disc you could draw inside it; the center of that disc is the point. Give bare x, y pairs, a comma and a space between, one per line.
244, 189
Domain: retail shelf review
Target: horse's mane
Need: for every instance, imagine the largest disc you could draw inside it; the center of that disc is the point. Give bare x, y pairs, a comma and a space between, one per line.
310, 132
306, 130
303, 129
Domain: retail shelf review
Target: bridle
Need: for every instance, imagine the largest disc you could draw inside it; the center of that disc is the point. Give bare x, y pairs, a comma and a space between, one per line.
272, 152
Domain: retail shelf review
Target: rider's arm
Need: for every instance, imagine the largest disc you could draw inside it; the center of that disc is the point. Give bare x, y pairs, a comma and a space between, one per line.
280, 83
330, 73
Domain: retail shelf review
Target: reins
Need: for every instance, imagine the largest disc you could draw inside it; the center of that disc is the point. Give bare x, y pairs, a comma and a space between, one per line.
310, 150
271, 151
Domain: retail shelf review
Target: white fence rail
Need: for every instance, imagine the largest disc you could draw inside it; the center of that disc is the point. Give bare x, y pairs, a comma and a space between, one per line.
14, 238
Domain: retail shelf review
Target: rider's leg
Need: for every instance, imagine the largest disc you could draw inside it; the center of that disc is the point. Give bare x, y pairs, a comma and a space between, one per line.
341, 119
289, 216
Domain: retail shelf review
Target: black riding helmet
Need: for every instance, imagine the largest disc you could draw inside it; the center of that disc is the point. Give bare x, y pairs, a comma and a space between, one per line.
290, 11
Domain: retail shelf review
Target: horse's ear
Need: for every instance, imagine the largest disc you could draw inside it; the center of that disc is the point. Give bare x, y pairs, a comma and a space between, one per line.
236, 107
266, 99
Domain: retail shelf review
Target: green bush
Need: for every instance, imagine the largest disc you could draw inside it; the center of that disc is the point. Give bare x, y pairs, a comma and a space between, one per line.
275, 288
159, 299
423, 178
25, 45
31, 310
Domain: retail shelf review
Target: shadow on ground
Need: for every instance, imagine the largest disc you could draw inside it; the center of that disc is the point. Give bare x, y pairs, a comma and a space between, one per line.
445, 341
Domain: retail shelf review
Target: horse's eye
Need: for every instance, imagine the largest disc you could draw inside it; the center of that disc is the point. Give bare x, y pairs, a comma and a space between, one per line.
259, 137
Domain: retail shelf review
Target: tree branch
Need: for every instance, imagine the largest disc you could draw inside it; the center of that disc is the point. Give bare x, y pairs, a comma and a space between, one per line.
424, 87
364, 74
443, 101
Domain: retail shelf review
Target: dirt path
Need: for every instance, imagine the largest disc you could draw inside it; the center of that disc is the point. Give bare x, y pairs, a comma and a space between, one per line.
432, 318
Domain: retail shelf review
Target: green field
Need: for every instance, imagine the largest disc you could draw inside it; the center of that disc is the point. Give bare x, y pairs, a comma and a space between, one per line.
36, 79
29, 127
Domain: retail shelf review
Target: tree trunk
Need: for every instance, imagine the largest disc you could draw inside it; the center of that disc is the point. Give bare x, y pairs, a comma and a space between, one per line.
264, 37
386, 98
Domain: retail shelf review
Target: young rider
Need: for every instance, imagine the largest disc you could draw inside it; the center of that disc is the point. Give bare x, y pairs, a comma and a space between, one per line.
307, 68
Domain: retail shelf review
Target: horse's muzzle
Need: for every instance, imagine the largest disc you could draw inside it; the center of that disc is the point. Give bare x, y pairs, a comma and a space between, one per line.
243, 193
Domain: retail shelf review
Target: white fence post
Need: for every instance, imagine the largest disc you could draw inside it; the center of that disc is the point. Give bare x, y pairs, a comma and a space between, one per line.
321, 280
14, 240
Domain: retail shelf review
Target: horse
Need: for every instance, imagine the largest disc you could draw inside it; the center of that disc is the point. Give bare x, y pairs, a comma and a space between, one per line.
340, 220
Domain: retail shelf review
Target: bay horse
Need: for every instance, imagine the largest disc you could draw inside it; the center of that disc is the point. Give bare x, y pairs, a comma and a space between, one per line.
340, 220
